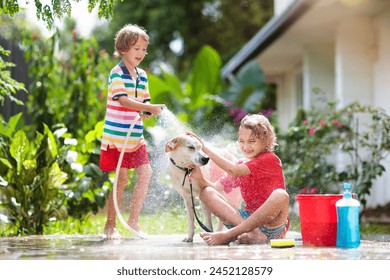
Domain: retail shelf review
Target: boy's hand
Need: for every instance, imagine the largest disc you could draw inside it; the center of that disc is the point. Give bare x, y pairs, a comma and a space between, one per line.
145, 115
157, 109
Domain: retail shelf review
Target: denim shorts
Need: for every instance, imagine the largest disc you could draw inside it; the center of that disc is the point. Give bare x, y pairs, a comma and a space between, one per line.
271, 233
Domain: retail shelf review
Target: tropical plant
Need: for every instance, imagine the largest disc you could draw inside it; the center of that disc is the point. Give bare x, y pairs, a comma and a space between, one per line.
88, 187
194, 99
31, 178
203, 100
51, 177
66, 96
246, 92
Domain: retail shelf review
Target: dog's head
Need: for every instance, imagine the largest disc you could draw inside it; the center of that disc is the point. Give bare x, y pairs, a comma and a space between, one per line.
186, 151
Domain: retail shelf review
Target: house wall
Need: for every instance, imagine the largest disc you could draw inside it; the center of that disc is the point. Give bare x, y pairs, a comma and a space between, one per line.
318, 73
381, 57
353, 61
381, 98
288, 103
354, 68
362, 74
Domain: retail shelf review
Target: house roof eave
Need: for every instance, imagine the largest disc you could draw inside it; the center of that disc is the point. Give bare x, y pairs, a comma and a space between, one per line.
268, 34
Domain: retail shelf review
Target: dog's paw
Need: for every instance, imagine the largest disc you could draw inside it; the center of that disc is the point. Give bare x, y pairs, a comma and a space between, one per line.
188, 239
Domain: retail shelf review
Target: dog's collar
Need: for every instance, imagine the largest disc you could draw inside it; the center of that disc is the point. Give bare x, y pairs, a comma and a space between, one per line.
186, 170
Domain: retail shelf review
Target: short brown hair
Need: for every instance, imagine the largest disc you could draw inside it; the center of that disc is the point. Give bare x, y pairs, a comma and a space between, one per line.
127, 36
261, 128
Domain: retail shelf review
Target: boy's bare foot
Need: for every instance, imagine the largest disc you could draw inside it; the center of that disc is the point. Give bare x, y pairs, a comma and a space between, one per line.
216, 238
134, 225
253, 237
136, 229
112, 233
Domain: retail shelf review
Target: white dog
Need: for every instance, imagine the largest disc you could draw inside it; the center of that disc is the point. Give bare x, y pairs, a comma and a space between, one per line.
185, 152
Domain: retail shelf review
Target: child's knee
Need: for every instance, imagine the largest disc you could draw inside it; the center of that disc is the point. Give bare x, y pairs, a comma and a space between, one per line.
206, 193
123, 178
281, 195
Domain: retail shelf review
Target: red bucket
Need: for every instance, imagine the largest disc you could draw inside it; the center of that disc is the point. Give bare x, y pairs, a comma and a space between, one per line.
318, 218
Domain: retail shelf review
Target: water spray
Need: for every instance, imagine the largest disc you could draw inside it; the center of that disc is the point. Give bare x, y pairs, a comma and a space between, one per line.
171, 126
118, 167
170, 119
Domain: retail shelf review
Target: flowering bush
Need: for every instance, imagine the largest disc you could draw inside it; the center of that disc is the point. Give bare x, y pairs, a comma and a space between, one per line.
365, 147
307, 147
355, 139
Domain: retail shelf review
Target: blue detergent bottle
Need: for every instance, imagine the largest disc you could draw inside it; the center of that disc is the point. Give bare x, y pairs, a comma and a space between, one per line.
348, 210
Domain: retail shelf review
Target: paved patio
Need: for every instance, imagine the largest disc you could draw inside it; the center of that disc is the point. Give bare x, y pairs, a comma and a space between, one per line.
170, 247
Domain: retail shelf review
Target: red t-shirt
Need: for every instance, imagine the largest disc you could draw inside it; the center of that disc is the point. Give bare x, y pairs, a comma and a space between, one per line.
266, 175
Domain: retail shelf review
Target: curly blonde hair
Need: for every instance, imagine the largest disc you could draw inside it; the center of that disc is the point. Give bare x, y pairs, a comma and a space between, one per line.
261, 129
127, 36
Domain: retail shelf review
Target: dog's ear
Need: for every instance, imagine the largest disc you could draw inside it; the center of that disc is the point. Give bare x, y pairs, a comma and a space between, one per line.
170, 146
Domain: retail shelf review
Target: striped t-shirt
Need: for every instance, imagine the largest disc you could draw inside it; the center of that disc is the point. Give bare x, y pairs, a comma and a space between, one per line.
118, 119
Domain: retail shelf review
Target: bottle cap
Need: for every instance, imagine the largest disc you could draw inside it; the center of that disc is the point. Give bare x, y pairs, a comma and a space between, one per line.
347, 188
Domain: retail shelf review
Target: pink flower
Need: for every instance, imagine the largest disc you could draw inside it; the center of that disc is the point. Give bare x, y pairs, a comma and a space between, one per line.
303, 191
233, 111
312, 130
306, 121
239, 116
267, 112
309, 190
322, 122
313, 190
237, 113
336, 122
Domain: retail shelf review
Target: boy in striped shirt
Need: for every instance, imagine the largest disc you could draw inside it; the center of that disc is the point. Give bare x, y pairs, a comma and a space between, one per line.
128, 96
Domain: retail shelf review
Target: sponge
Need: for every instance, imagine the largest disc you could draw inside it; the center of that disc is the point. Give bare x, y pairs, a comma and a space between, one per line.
282, 243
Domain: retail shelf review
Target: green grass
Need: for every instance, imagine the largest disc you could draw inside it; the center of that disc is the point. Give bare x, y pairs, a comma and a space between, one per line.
374, 228
173, 221
163, 223
168, 222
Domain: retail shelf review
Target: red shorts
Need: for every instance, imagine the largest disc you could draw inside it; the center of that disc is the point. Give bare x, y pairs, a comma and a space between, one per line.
109, 159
